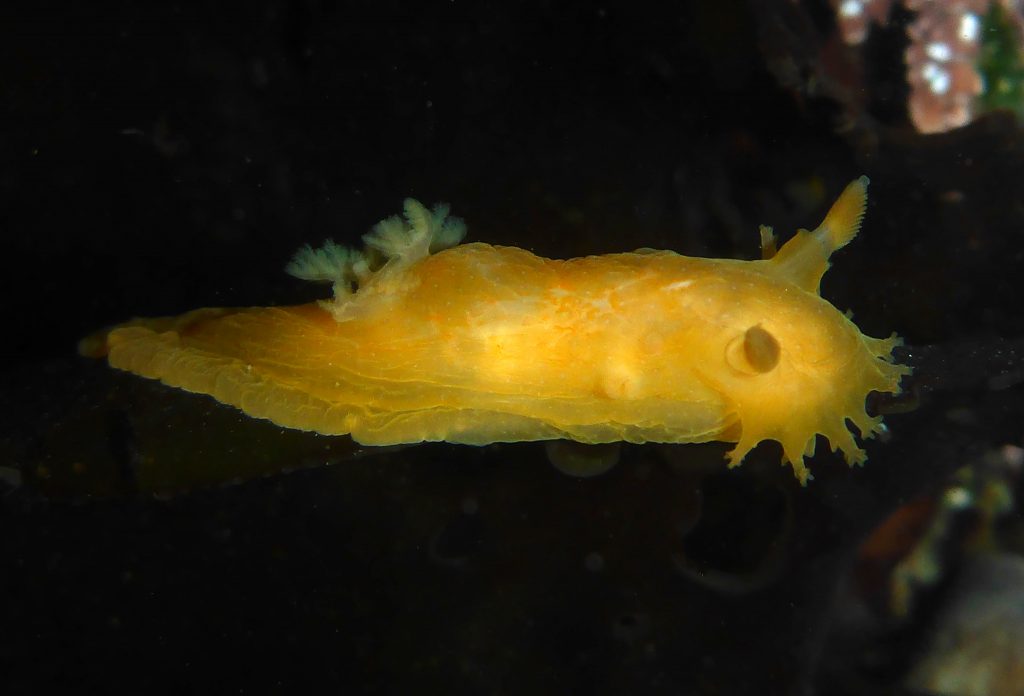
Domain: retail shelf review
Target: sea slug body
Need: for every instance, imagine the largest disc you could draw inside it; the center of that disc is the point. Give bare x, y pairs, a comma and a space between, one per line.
426, 339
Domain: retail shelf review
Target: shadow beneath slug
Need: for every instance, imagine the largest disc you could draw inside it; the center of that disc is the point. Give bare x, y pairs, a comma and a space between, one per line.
740, 541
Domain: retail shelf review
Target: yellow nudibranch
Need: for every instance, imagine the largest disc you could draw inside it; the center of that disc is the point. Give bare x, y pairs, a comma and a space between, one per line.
427, 339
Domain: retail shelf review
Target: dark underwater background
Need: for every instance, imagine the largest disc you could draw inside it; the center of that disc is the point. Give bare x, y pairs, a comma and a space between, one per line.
162, 157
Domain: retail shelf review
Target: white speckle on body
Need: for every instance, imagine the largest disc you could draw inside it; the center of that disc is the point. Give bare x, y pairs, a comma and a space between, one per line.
851, 8
939, 50
969, 28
